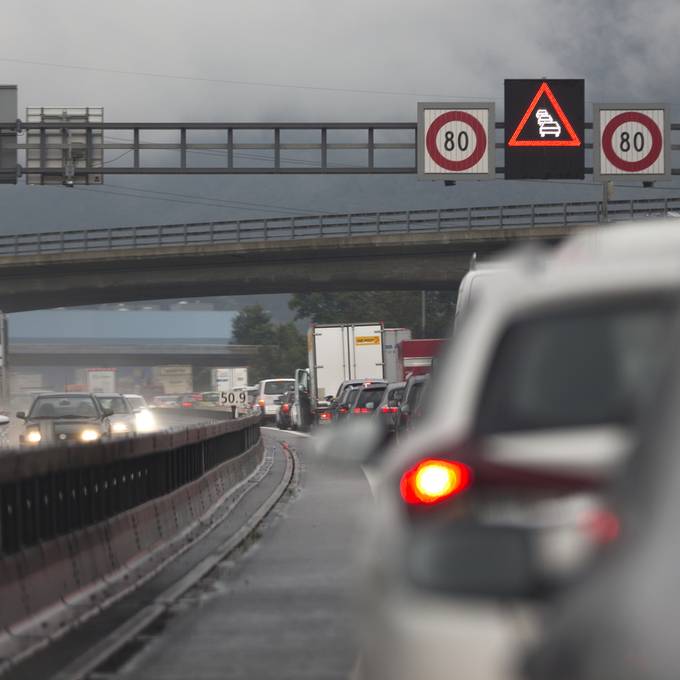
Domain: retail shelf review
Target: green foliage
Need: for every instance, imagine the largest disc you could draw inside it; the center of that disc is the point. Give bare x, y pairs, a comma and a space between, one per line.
283, 348
395, 309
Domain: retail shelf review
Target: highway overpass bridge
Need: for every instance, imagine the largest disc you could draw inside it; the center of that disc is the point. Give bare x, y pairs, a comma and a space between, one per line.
88, 354
418, 249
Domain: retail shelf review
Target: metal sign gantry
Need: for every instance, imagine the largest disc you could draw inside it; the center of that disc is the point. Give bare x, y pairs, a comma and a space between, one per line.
69, 146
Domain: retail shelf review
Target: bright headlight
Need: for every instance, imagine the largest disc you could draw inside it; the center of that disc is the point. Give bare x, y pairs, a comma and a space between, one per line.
89, 436
33, 437
119, 427
145, 421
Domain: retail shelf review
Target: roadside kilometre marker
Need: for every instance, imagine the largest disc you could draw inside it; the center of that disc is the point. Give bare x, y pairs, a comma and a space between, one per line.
631, 140
456, 140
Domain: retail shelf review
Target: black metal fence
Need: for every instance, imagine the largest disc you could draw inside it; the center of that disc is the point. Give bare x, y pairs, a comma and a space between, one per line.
334, 225
50, 492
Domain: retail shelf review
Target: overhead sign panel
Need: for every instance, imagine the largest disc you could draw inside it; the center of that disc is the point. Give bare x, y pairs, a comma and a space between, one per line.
456, 140
8, 138
544, 129
631, 140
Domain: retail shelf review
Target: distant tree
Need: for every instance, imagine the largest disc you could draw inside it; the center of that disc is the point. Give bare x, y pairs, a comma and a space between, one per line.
394, 308
283, 347
253, 326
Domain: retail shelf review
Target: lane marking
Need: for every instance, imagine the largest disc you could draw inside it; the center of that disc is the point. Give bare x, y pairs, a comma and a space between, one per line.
293, 432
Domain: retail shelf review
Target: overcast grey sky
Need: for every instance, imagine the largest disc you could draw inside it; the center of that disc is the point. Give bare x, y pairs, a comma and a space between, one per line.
319, 60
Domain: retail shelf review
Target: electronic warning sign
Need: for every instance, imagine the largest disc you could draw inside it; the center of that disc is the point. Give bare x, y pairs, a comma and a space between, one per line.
456, 140
631, 140
544, 129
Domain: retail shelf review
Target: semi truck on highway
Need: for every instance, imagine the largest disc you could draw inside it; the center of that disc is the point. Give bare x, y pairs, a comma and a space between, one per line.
336, 353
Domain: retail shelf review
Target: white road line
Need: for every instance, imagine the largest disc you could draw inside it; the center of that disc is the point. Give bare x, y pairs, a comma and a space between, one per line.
293, 432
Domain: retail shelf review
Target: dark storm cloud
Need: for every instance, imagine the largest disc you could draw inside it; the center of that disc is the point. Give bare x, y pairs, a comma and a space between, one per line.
626, 51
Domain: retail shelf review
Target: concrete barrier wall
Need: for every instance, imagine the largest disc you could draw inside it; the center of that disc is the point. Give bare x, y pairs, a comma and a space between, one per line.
72, 568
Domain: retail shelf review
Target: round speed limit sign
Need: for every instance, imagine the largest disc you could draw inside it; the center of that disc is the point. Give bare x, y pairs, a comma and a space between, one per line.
632, 141
456, 140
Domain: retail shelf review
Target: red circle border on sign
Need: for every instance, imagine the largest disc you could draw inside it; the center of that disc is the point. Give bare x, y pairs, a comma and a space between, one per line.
608, 136
441, 160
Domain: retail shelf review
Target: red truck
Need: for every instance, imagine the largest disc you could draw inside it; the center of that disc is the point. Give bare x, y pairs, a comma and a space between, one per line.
415, 356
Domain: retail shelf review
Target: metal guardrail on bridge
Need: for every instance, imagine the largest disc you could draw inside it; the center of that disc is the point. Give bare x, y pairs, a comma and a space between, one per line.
336, 225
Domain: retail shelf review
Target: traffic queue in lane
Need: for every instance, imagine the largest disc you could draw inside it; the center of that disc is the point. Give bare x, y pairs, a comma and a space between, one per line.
494, 514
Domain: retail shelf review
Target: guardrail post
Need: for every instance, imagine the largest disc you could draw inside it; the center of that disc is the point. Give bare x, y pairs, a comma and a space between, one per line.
39, 242
469, 218
500, 212
665, 206
110, 240
87, 245
349, 223
439, 220
533, 215
377, 223
632, 209
16, 243
264, 229
292, 227
238, 230
320, 225
408, 220
186, 235
564, 214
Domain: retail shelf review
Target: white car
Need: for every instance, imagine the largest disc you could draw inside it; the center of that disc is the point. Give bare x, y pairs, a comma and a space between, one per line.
497, 494
268, 391
145, 421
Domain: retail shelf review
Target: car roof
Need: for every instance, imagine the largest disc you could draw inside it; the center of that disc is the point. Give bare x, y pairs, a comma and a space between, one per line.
108, 395
64, 395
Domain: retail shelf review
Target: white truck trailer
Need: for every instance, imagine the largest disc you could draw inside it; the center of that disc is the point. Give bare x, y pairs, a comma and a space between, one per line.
336, 353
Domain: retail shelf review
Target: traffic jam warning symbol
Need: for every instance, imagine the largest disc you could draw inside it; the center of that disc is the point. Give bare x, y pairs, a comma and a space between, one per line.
631, 140
456, 140
544, 125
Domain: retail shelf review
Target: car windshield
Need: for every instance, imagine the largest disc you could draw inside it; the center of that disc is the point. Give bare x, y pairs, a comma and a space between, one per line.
137, 402
278, 386
63, 407
370, 398
582, 367
115, 404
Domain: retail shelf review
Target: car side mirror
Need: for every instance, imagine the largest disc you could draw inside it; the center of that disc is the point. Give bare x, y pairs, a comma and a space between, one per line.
4, 420
351, 442
21, 415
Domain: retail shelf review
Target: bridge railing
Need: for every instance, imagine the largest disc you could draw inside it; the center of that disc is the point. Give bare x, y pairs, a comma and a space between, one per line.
534, 215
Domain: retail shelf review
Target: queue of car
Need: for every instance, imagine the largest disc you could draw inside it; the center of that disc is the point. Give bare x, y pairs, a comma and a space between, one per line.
493, 508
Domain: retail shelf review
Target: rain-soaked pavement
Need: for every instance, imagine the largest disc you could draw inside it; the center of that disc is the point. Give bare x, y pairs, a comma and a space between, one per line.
279, 610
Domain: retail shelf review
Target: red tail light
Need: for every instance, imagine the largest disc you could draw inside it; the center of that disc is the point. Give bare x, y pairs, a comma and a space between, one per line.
285, 408
434, 480
326, 415
342, 409
389, 409
361, 409
603, 526
187, 404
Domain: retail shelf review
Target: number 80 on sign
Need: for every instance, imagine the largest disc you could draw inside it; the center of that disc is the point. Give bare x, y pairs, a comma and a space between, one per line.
456, 140
631, 140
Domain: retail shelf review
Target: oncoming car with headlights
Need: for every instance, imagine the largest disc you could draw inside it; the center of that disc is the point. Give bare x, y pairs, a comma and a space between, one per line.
123, 420
69, 418
145, 420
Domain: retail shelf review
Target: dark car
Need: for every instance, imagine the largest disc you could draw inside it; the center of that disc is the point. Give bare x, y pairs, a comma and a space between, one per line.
69, 418
283, 415
341, 396
366, 400
410, 410
388, 408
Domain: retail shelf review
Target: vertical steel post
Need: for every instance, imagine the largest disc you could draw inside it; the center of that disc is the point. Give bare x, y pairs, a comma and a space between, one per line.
135, 141
371, 148
183, 150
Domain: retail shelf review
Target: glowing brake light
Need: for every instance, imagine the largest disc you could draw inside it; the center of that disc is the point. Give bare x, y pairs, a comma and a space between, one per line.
285, 408
326, 415
343, 409
361, 409
389, 409
434, 480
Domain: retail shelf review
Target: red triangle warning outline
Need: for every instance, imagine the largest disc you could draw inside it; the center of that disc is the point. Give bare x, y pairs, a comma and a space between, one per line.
573, 137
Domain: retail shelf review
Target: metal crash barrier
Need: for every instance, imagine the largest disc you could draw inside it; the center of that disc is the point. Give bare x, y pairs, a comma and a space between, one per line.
71, 516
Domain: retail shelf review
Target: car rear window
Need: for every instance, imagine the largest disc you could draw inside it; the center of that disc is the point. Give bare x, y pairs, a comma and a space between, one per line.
278, 386
396, 394
588, 366
370, 398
